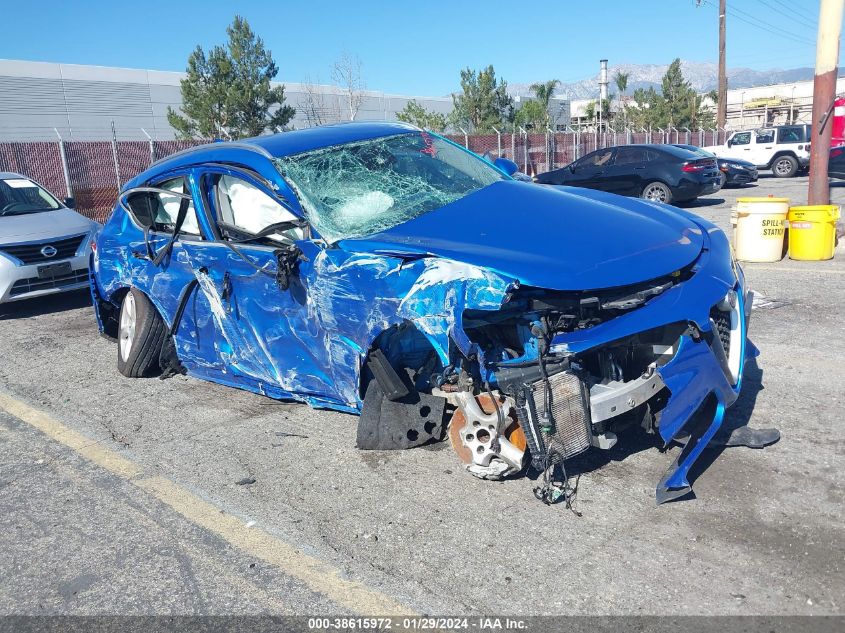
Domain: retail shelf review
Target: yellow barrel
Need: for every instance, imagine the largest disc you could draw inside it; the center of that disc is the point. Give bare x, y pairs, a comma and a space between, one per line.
812, 232
759, 228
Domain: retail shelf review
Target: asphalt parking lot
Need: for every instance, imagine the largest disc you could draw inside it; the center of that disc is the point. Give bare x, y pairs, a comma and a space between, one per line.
176, 496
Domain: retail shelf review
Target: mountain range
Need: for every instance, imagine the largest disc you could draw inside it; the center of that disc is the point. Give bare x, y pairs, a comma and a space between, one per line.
702, 76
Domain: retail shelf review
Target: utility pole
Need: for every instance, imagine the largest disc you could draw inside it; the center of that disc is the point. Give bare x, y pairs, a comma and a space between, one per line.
824, 93
722, 106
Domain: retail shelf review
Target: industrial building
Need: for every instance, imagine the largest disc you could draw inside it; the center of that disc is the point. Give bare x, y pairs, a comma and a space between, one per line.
775, 104
45, 101
40, 100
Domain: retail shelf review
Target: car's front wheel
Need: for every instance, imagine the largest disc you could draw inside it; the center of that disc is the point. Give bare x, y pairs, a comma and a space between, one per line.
785, 167
140, 336
657, 191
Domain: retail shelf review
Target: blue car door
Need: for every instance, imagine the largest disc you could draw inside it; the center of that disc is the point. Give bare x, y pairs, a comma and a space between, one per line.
270, 337
161, 264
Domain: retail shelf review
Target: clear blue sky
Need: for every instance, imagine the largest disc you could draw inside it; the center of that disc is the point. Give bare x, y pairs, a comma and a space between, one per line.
417, 47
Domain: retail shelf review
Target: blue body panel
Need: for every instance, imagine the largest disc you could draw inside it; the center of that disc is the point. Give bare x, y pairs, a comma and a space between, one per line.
310, 342
551, 237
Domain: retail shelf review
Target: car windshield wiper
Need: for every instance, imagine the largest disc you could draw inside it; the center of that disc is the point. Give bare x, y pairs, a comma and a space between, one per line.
24, 212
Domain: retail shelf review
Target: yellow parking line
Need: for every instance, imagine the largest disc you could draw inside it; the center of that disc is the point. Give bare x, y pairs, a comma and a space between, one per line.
314, 573
89, 449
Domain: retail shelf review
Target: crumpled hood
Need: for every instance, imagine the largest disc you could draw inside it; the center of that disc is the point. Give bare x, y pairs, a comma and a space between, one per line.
561, 238
44, 225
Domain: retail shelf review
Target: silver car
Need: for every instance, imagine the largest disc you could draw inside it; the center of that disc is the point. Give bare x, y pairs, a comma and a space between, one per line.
44, 245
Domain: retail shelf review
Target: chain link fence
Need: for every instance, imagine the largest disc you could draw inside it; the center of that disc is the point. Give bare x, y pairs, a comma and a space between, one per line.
538, 153
92, 172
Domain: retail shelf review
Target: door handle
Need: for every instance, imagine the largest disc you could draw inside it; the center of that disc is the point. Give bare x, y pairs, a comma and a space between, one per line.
139, 255
640, 167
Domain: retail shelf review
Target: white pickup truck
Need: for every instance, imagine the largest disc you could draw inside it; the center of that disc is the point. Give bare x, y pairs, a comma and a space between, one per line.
784, 149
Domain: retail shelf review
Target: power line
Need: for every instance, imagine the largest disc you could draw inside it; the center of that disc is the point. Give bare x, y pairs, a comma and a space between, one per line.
765, 26
791, 13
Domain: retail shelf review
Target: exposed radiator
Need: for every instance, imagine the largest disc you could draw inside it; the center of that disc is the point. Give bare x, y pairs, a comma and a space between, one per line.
567, 432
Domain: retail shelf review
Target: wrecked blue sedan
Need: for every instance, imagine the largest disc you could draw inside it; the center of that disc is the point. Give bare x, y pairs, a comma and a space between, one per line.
381, 270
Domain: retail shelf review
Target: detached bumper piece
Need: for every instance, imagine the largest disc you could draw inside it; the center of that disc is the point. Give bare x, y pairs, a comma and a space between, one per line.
413, 420
704, 378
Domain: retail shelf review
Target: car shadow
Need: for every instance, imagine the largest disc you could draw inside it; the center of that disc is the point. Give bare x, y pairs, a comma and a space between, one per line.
738, 416
45, 305
630, 441
700, 202
634, 440
746, 185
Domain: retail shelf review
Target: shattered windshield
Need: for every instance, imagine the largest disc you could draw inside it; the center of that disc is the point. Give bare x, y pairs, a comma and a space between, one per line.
361, 188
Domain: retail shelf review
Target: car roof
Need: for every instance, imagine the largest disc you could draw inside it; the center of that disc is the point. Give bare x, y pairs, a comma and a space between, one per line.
6, 175
647, 145
252, 151
298, 141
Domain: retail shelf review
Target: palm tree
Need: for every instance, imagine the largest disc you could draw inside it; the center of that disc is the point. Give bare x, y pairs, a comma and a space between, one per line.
544, 92
621, 81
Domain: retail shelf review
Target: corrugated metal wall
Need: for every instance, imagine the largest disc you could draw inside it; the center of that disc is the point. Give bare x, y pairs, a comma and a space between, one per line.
81, 102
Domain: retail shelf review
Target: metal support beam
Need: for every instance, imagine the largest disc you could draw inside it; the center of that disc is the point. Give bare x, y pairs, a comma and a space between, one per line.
63, 156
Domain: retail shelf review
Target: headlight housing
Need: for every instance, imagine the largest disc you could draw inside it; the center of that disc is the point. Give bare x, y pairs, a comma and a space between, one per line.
86, 243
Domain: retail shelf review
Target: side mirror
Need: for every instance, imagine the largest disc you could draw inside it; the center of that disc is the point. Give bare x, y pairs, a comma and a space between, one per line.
506, 165
70, 203
572, 167
729, 142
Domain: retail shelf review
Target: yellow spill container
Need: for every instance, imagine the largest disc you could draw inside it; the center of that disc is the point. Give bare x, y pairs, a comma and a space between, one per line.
812, 232
760, 224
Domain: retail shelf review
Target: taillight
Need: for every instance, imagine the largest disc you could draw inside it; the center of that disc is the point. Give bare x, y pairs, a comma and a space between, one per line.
835, 152
694, 167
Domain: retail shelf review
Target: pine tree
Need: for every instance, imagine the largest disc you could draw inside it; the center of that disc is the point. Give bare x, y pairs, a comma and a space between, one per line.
483, 103
227, 93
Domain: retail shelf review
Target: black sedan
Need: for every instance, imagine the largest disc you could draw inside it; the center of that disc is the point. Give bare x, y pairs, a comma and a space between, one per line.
655, 172
836, 163
734, 171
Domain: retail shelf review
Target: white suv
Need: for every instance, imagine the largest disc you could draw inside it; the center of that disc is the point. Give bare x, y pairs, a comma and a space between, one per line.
783, 149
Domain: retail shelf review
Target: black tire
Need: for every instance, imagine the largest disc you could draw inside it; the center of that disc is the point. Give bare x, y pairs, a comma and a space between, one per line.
139, 346
657, 191
785, 166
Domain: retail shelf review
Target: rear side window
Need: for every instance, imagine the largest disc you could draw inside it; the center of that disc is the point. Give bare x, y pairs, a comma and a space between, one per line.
631, 155
160, 211
791, 135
